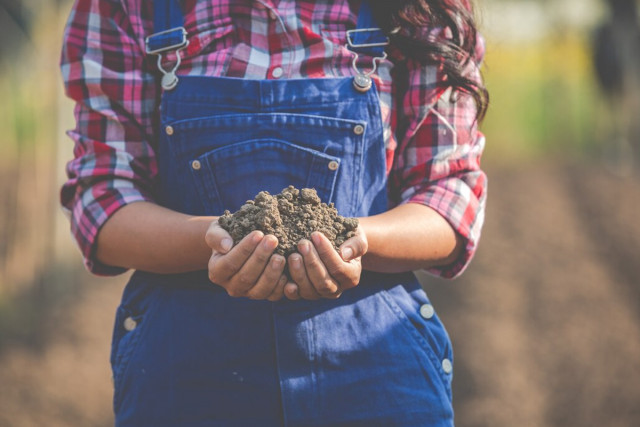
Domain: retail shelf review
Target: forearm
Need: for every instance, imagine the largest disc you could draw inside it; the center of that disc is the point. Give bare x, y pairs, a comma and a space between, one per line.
152, 238
409, 237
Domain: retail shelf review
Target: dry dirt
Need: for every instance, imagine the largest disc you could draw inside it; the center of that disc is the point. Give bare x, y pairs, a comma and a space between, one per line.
291, 216
545, 323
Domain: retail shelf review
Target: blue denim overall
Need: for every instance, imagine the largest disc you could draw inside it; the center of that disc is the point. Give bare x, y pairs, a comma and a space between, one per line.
186, 354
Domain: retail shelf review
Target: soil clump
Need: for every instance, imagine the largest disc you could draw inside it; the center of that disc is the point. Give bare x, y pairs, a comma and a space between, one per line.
291, 216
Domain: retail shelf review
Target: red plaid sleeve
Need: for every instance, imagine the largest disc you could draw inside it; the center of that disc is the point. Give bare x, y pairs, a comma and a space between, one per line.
437, 162
114, 163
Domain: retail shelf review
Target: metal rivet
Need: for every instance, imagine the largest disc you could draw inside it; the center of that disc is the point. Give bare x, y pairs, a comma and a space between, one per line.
169, 130
447, 367
427, 311
358, 130
129, 324
333, 165
362, 83
169, 81
277, 72
196, 165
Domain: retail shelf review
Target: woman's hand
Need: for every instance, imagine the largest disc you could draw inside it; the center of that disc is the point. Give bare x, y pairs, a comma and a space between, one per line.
320, 272
249, 269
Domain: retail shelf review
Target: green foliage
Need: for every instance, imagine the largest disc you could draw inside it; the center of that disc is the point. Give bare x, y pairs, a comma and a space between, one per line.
543, 97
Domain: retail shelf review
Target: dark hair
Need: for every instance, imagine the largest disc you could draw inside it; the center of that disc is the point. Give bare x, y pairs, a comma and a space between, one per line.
407, 23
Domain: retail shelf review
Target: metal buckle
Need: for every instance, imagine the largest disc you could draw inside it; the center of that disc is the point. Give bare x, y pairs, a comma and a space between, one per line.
351, 43
362, 80
169, 78
179, 31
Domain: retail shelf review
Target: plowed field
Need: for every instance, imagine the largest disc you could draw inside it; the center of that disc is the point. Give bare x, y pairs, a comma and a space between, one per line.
545, 323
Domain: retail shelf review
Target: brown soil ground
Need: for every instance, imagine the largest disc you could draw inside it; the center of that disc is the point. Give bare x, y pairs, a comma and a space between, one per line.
292, 215
545, 323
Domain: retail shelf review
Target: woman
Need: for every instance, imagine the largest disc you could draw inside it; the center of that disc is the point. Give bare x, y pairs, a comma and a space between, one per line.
185, 109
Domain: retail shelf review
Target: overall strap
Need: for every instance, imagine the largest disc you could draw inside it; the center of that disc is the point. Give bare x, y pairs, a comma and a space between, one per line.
168, 27
169, 34
167, 14
365, 16
367, 38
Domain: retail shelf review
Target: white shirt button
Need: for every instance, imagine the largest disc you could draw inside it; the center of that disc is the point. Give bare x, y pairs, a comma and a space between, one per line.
447, 367
427, 311
277, 72
129, 324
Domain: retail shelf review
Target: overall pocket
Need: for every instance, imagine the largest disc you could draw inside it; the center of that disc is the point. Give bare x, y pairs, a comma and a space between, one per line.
366, 355
429, 334
230, 158
126, 336
229, 176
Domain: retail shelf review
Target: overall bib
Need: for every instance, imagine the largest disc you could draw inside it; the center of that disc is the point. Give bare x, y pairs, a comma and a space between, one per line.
186, 354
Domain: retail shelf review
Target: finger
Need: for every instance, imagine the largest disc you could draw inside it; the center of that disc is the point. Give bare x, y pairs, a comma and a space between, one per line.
291, 291
346, 274
218, 239
316, 270
354, 247
253, 268
223, 267
278, 292
268, 280
299, 276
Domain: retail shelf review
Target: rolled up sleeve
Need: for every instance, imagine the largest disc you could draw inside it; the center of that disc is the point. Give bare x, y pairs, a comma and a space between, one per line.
114, 164
437, 162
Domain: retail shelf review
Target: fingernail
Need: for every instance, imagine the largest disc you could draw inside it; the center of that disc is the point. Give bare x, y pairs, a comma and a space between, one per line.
315, 236
295, 262
304, 248
268, 243
347, 253
226, 244
276, 263
291, 290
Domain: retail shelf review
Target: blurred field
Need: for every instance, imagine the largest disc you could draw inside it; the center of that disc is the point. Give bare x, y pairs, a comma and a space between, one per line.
545, 323
544, 98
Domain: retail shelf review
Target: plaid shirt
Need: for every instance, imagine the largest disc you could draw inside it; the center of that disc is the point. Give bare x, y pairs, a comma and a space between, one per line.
433, 144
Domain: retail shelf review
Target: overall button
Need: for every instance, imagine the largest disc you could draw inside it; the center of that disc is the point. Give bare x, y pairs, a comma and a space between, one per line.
427, 311
447, 367
129, 324
333, 165
169, 130
362, 83
358, 129
277, 72
196, 165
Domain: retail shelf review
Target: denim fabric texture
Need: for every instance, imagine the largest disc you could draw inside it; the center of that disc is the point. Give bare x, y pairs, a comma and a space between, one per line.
198, 357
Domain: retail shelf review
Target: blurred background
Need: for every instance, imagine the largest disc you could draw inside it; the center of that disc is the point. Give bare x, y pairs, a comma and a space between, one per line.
546, 321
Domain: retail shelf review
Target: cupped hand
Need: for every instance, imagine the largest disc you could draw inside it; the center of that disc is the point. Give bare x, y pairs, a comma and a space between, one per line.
250, 268
319, 271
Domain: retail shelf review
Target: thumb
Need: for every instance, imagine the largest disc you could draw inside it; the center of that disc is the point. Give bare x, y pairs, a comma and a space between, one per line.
218, 239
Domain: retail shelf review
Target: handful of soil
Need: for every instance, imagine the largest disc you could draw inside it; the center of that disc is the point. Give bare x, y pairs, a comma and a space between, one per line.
291, 216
